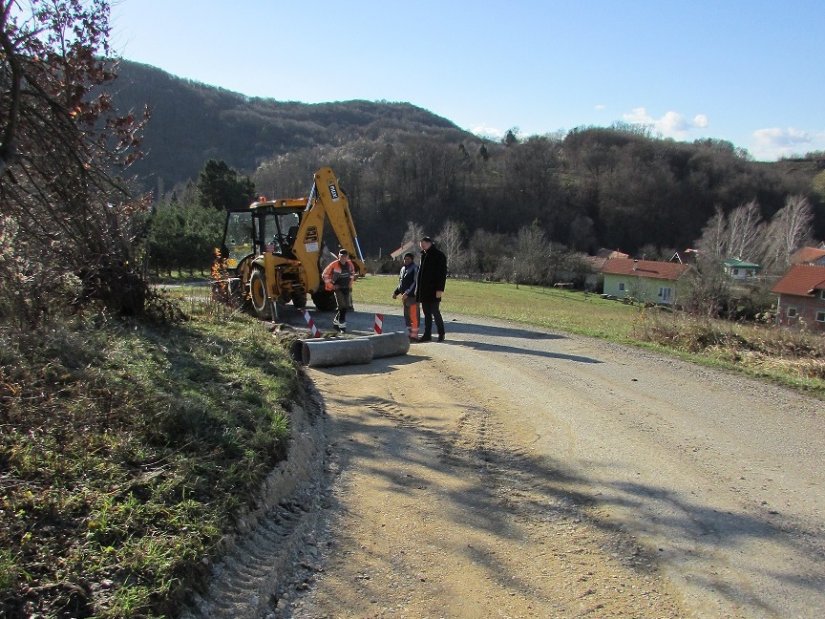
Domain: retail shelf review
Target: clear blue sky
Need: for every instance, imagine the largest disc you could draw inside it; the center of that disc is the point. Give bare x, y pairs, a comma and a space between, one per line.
748, 71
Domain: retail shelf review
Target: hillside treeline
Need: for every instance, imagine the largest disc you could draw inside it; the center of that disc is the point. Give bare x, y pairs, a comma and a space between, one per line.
595, 187
616, 187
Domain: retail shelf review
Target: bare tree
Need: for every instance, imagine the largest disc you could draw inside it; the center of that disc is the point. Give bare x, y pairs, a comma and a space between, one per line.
532, 250
61, 145
740, 234
790, 229
491, 254
713, 243
413, 234
450, 242
745, 232
708, 287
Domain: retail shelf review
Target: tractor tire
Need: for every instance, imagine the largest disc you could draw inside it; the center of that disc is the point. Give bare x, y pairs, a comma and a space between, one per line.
324, 300
257, 295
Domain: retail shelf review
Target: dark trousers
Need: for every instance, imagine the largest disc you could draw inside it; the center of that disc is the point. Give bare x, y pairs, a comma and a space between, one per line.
432, 310
343, 298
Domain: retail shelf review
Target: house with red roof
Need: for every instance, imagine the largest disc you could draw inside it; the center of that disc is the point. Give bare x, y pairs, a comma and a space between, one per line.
648, 281
801, 294
409, 246
809, 255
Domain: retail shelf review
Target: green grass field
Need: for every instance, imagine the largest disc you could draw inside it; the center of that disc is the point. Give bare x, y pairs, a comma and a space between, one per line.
569, 311
795, 359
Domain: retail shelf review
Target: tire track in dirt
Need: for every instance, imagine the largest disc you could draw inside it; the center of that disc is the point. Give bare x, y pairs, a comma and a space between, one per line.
259, 560
442, 511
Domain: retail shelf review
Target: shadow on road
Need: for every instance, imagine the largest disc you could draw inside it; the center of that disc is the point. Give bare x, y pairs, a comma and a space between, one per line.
477, 337
508, 487
514, 350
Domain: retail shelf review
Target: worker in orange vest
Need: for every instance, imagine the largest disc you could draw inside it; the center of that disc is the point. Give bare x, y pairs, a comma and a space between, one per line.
338, 277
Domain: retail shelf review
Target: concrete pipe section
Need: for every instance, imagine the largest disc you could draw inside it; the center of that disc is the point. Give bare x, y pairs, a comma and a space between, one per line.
325, 353
389, 344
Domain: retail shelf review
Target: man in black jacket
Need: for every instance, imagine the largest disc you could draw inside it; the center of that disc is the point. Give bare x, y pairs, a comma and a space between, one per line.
429, 287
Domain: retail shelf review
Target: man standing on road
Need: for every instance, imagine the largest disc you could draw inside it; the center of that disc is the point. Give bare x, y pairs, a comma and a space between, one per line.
338, 277
406, 288
429, 287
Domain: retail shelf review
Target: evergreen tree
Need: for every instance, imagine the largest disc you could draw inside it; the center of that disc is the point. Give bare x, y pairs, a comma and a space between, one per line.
220, 187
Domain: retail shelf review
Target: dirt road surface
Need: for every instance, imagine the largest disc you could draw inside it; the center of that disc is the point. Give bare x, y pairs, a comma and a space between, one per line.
509, 472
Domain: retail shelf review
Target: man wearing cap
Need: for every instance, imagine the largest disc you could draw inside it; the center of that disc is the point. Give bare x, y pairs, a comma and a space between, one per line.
338, 277
429, 287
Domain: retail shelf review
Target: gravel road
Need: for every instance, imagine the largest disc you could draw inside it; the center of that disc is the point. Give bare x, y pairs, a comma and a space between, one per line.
510, 472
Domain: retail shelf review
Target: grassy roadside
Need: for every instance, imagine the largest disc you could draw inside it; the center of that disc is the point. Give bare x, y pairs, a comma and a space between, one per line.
125, 451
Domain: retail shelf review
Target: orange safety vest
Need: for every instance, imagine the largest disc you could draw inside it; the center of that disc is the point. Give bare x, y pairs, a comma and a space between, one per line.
335, 276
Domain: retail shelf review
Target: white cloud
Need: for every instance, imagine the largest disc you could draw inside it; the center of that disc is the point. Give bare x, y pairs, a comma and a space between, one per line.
600, 107
488, 132
774, 142
638, 116
671, 125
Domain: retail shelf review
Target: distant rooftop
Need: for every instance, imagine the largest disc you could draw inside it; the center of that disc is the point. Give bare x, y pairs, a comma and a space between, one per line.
807, 255
802, 280
645, 268
736, 263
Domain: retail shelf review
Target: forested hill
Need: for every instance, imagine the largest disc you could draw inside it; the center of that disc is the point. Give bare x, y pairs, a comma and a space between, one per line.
193, 122
616, 187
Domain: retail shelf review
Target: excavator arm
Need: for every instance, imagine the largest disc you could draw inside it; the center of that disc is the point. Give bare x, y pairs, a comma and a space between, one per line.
326, 202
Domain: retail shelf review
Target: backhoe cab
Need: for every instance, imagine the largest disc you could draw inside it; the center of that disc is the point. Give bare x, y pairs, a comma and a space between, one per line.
274, 250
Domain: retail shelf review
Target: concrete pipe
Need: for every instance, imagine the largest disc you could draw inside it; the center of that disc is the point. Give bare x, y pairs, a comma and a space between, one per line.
389, 344
319, 353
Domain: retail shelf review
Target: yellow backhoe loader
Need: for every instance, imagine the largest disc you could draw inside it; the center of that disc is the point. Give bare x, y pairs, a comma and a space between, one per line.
274, 250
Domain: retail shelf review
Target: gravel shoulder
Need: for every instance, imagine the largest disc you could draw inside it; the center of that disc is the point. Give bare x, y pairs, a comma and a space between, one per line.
515, 473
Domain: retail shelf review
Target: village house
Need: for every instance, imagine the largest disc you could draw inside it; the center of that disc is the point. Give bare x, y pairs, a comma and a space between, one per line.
687, 256
593, 279
801, 294
647, 281
809, 255
409, 246
740, 270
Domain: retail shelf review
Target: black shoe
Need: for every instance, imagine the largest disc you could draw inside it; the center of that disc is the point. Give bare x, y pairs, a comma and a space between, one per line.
441, 338
425, 338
